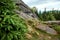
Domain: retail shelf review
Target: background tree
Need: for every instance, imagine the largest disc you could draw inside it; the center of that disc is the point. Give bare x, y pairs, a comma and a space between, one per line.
50, 15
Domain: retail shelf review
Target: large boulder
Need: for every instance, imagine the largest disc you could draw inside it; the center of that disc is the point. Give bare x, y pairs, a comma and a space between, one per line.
47, 29
25, 8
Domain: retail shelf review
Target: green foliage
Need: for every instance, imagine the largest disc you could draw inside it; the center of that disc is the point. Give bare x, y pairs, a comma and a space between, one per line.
56, 27
12, 27
34, 10
49, 15
7, 5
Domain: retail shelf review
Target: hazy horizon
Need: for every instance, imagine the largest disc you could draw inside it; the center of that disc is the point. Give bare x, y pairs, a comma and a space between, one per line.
41, 4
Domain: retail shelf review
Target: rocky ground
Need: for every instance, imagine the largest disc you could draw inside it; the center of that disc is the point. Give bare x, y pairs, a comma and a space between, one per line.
36, 29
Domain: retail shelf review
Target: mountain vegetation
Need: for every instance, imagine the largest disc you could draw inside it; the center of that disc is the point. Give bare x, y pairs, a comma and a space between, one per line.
49, 15
22, 26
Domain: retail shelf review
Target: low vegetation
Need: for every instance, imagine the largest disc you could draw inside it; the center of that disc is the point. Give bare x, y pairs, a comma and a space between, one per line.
12, 27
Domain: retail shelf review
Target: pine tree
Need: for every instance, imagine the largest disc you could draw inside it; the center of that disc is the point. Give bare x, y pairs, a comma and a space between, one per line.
12, 27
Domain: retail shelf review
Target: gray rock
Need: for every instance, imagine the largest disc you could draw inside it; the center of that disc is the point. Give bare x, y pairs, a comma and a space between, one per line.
22, 6
47, 29
25, 8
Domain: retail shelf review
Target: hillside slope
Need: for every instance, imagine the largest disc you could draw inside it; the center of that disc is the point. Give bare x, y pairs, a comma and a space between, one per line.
36, 30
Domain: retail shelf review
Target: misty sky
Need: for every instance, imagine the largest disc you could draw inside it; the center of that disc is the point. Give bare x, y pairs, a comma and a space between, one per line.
41, 4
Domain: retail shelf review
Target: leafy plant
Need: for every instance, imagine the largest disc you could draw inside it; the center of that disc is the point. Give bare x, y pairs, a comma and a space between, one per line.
12, 27
56, 27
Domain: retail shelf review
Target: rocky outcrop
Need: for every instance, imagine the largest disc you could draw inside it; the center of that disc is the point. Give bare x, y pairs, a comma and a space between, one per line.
38, 25
24, 8
47, 29
27, 14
